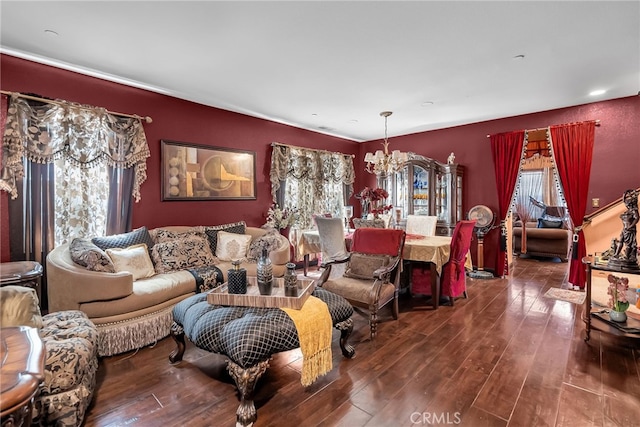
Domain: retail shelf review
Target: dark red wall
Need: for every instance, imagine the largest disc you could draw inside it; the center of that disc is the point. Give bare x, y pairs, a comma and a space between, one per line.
176, 120
615, 167
616, 156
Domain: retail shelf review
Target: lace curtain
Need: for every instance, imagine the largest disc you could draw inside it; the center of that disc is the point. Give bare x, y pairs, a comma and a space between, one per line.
310, 181
90, 155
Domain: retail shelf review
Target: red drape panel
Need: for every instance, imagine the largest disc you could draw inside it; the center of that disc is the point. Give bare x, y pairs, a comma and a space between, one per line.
572, 146
507, 150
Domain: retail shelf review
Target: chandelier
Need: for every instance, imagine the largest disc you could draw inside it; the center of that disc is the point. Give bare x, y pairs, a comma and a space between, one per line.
382, 162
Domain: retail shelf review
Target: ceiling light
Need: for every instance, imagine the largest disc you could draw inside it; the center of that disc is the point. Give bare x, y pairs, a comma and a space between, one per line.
597, 92
382, 162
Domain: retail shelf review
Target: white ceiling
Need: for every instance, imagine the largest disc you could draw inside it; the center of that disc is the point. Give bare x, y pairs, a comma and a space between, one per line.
333, 66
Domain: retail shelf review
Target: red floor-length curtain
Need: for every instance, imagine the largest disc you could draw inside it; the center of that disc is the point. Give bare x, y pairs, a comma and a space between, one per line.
507, 150
572, 146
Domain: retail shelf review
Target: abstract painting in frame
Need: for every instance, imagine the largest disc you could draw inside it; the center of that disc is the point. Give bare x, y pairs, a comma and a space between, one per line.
200, 172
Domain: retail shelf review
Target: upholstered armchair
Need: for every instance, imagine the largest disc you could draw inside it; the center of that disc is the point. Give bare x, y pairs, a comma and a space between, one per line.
368, 223
71, 344
372, 274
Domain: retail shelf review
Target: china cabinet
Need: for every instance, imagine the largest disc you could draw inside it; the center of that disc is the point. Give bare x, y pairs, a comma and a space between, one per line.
426, 187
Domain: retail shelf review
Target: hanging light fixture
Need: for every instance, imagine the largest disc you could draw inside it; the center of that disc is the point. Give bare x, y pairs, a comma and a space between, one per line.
382, 162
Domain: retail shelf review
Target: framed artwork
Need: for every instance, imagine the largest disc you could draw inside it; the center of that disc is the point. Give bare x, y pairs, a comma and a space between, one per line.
200, 172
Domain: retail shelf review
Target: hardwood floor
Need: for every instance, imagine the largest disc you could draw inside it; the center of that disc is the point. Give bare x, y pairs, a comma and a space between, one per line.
506, 356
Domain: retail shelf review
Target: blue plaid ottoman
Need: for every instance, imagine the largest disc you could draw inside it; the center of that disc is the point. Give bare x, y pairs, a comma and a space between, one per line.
248, 336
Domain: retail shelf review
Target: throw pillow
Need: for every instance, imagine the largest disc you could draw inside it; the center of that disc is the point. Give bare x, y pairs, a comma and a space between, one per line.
270, 240
362, 266
212, 232
549, 223
180, 254
135, 237
83, 252
232, 246
19, 307
164, 235
134, 259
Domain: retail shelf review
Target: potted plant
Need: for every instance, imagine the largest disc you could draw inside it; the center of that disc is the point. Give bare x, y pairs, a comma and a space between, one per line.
618, 301
373, 201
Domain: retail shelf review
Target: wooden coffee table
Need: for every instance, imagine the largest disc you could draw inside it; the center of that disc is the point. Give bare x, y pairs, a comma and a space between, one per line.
22, 359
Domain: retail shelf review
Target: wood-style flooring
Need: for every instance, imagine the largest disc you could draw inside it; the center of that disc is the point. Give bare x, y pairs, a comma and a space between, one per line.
506, 356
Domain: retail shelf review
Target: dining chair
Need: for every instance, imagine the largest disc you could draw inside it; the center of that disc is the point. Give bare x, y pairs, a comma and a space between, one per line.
386, 217
368, 223
453, 282
423, 225
372, 276
331, 232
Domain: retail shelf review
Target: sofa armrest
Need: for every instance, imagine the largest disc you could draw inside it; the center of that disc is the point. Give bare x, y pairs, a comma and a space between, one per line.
69, 284
282, 255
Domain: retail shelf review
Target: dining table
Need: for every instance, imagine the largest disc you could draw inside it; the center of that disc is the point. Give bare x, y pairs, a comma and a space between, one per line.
432, 250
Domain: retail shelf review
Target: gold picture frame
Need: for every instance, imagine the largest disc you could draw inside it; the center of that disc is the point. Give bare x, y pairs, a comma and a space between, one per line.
200, 172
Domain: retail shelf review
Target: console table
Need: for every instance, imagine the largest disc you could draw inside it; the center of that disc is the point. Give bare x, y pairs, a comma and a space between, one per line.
22, 273
591, 320
22, 359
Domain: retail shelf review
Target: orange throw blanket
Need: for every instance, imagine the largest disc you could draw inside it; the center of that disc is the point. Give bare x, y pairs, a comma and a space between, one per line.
314, 326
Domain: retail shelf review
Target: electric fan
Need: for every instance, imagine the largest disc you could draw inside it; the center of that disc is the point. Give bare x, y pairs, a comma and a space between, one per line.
484, 218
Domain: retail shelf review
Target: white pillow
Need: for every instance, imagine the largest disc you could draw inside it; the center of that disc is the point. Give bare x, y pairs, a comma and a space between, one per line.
134, 259
232, 246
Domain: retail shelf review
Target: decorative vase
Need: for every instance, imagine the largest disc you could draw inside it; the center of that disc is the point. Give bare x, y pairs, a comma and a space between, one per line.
264, 273
291, 281
237, 279
285, 232
618, 316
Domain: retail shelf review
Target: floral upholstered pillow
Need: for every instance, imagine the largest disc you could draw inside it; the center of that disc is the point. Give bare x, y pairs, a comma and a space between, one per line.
83, 252
134, 259
163, 235
270, 241
362, 266
180, 254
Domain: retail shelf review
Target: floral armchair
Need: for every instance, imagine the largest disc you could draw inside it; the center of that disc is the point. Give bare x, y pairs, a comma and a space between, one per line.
71, 343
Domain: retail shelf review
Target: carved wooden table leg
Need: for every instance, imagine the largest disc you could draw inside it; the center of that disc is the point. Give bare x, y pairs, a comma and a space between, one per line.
246, 380
177, 333
345, 328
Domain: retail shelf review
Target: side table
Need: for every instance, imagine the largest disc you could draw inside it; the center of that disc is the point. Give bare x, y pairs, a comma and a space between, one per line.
22, 273
22, 360
589, 315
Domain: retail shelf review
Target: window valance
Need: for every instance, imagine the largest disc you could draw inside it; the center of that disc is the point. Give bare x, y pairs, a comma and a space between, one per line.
314, 166
84, 135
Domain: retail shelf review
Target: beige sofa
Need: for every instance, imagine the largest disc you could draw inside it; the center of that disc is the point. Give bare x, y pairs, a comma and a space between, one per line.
544, 242
129, 313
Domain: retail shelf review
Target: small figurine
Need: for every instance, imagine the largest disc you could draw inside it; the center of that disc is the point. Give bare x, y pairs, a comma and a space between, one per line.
625, 256
451, 159
611, 251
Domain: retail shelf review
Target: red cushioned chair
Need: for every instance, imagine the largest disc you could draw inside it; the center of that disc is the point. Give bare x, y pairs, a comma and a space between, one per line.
453, 282
372, 276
